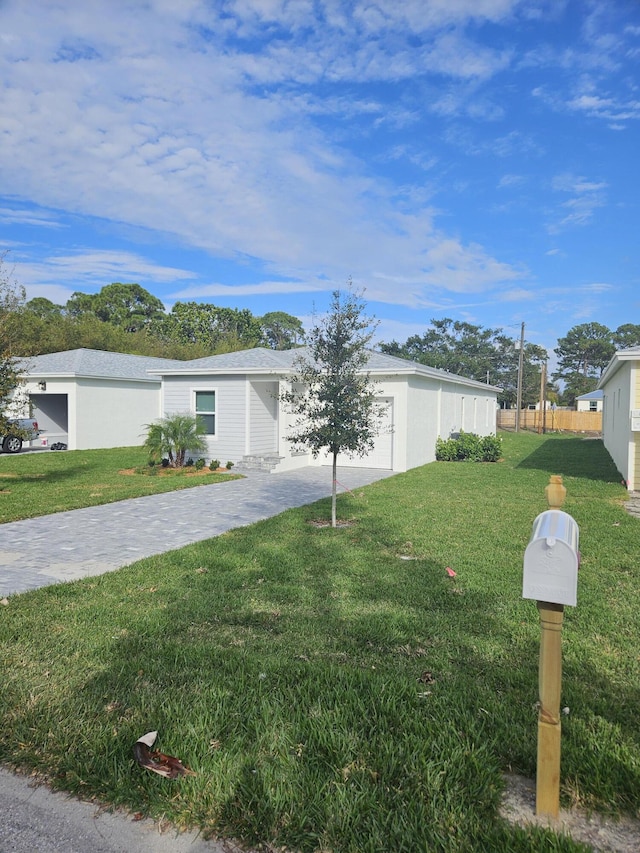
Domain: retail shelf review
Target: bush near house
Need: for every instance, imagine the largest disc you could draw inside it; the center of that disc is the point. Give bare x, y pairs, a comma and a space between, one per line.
173, 436
469, 447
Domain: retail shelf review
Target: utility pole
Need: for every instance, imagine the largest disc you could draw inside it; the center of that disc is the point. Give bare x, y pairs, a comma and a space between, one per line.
520, 366
543, 399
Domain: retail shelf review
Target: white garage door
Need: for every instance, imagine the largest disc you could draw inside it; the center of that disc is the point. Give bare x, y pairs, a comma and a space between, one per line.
381, 456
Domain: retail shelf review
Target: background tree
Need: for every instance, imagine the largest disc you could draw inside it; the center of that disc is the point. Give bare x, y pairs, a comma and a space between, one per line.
486, 355
281, 330
627, 335
216, 329
583, 354
128, 306
332, 396
44, 308
12, 297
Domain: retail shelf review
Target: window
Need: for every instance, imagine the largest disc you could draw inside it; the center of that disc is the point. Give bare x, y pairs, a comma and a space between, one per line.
593, 405
206, 410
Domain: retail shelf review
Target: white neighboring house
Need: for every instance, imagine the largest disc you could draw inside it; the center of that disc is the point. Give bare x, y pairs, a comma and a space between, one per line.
106, 399
90, 399
620, 384
591, 402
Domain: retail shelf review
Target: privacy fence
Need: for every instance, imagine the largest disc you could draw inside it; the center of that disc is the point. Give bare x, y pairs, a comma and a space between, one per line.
562, 420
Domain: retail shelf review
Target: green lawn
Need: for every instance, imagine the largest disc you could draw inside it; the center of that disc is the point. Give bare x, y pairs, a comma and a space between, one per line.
337, 690
33, 484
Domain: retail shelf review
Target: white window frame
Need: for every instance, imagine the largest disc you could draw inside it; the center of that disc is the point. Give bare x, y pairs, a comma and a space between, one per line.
209, 436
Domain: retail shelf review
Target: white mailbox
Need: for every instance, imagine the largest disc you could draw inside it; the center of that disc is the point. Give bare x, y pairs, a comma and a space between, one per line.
551, 559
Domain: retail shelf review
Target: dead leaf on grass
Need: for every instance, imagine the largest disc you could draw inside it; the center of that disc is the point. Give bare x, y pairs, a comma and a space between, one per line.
158, 762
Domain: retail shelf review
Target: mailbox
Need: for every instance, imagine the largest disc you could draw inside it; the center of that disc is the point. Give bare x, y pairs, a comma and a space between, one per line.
551, 559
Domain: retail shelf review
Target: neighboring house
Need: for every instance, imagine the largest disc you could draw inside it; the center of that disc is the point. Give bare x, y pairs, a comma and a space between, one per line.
89, 398
620, 385
591, 402
237, 396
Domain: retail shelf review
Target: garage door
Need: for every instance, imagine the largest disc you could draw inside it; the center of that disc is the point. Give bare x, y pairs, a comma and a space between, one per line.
381, 456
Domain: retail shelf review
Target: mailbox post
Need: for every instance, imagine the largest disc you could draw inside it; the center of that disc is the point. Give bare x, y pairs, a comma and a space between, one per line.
551, 578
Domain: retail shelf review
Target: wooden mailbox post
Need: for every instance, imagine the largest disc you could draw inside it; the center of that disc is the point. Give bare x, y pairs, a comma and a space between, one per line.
551, 578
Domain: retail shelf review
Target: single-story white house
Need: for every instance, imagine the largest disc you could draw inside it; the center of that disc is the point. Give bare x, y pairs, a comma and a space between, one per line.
591, 402
620, 384
102, 399
89, 398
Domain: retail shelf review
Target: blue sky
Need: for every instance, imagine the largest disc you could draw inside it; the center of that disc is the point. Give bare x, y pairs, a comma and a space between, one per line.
471, 159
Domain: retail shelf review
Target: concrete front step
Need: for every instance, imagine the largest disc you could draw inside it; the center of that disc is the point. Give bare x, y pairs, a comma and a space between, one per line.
258, 462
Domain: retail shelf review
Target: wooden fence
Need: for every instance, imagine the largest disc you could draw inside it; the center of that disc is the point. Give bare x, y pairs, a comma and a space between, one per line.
562, 420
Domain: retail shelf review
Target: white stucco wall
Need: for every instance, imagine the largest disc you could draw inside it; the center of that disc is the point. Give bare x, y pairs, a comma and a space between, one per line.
620, 396
439, 408
100, 412
111, 413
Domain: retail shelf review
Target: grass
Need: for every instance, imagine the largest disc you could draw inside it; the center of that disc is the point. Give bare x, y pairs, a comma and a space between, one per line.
33, 484
337, 690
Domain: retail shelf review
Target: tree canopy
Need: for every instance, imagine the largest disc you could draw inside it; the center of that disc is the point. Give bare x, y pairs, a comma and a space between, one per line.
583, 353
216, 329
281, 331
129, 306
486, 355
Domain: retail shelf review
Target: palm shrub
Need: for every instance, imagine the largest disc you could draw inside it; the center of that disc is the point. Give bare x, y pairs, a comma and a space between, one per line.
173, 436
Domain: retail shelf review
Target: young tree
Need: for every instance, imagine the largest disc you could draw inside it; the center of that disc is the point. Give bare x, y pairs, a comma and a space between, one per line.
332, 396
173, 436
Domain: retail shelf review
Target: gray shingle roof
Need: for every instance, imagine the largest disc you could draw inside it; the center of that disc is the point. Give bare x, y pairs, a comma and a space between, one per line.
95, 363
116, 365
261, 360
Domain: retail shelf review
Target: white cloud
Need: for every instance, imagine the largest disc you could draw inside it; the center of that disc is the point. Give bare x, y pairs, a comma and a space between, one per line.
262, 288
587, 197
28, 216
57, 277
511, 181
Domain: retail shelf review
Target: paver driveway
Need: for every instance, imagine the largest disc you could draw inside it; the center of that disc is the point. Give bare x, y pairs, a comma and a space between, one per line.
84, 542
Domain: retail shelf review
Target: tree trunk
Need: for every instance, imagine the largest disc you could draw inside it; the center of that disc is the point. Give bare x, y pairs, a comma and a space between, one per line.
334, 484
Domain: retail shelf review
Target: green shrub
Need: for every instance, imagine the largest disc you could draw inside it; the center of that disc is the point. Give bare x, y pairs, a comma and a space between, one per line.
229, 466
491, 448
469, 447
199, 464
214, 464
446, 450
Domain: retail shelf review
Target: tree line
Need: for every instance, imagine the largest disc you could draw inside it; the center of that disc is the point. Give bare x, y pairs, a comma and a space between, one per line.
127, 318
489, 355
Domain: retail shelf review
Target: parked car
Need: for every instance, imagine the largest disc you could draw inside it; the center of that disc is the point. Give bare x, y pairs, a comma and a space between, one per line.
13, 443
